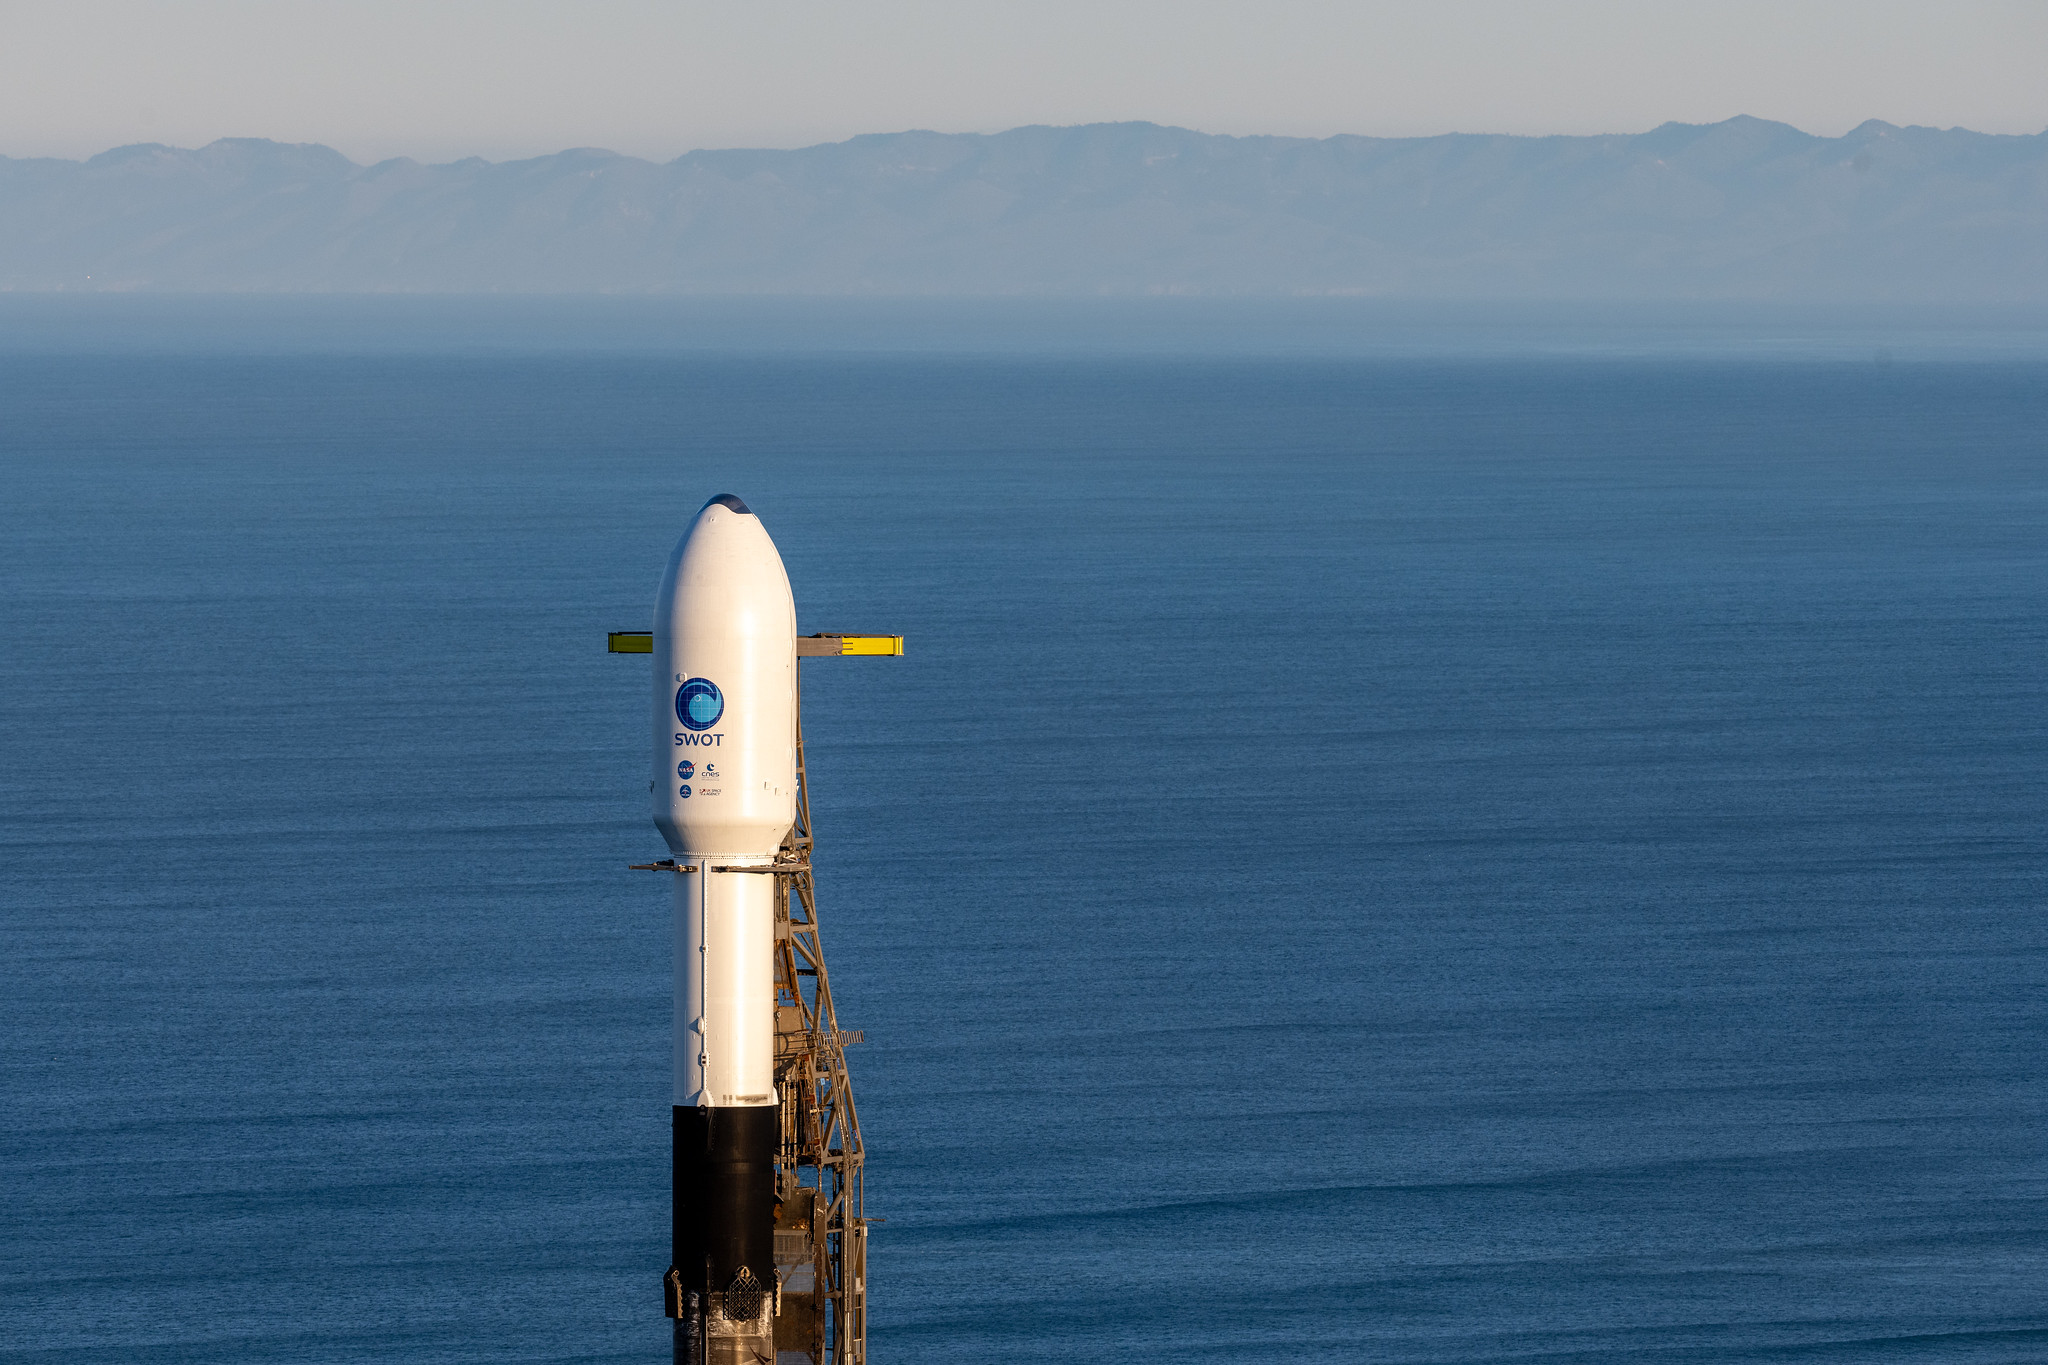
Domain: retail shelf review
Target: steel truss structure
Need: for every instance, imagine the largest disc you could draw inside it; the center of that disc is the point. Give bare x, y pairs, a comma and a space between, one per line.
821, 1225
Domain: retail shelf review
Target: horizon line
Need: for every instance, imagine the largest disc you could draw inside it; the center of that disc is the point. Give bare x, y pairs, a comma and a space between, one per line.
592, 150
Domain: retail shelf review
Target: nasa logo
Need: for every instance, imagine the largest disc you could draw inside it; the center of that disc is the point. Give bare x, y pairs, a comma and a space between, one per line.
683, 790
699, 704
686, 769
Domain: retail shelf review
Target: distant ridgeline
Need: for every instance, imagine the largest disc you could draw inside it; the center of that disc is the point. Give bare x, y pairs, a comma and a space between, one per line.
1739, 210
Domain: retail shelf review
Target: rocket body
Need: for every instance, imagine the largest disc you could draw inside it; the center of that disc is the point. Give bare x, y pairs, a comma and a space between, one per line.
724, 798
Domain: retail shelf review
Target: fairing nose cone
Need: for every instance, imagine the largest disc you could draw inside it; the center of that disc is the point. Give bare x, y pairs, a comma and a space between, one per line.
725, 689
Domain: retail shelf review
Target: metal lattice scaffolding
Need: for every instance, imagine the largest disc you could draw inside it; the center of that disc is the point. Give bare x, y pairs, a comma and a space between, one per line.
819, 1165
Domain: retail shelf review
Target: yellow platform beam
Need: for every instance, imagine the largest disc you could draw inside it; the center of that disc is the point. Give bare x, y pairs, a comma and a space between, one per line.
807, 647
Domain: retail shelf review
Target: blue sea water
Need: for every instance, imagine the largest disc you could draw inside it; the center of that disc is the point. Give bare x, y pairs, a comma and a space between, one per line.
1387, 853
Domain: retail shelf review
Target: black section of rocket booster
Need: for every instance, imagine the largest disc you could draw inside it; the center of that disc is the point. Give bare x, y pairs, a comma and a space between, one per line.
724, 1167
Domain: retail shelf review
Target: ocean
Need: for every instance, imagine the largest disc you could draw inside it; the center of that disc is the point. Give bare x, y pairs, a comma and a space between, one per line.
1516, 840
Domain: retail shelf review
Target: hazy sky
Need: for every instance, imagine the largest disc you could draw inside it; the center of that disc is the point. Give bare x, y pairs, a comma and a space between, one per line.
438, 79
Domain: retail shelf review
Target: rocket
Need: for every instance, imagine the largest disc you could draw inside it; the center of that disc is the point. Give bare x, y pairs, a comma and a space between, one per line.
725, 786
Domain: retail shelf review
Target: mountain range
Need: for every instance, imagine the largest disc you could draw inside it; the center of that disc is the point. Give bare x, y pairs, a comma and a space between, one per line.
1744, 209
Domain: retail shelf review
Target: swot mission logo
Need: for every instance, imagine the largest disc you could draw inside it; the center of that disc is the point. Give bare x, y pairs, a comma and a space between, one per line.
699, 704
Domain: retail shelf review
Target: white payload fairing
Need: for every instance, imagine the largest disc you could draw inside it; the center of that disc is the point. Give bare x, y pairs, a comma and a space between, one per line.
725, 788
